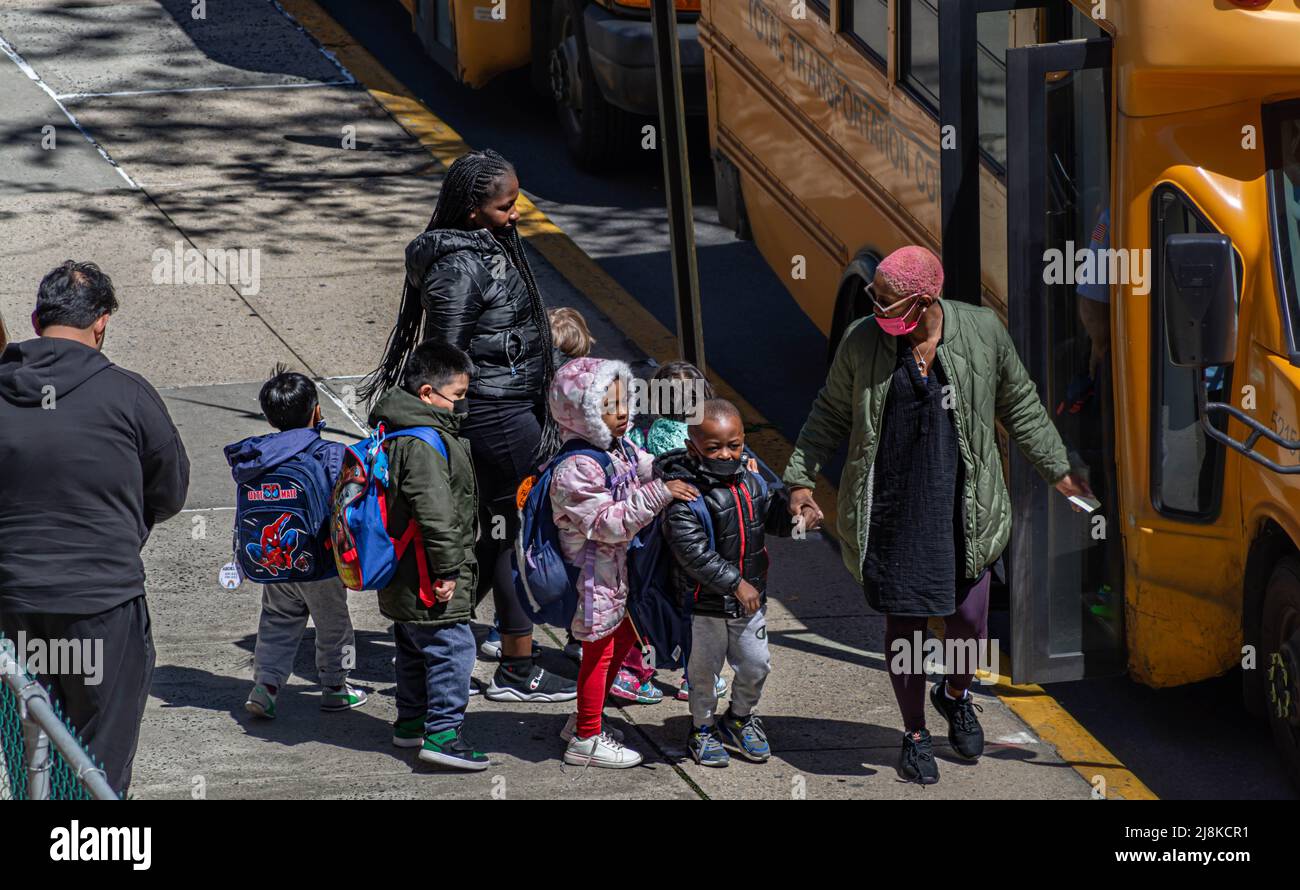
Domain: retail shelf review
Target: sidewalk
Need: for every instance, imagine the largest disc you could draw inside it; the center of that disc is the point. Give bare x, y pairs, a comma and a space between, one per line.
262, 167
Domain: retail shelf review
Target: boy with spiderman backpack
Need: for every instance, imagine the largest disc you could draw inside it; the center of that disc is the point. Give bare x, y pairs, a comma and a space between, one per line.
432, 503
282, 542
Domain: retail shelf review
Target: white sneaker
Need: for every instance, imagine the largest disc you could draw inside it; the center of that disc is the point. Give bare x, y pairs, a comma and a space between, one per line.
601, 751
571, 726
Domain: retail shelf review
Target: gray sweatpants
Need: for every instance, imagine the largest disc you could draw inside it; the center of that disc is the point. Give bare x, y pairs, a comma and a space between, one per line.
741, 641
285, 610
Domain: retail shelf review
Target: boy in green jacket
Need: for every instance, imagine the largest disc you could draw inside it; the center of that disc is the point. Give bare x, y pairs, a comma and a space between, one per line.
435, 646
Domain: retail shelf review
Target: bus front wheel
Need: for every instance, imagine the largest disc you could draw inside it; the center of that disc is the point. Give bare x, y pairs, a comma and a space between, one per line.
1280, 662
593, 128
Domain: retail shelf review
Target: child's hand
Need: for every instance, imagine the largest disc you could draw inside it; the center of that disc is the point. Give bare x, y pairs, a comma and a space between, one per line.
442, 590
682, 491
749, 597
753, 465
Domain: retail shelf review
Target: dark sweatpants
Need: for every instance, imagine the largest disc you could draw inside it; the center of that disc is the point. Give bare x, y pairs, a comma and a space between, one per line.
106, 715
969, 622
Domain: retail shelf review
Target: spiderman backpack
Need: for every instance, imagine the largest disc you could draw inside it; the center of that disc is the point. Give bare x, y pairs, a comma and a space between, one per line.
281, 523
364, 552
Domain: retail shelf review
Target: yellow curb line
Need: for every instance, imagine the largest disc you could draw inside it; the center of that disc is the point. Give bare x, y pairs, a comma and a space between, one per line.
1043, 714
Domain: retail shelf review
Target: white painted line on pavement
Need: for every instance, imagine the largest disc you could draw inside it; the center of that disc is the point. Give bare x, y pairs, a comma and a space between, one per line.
71, 97
365, 430
36, 78
320, 46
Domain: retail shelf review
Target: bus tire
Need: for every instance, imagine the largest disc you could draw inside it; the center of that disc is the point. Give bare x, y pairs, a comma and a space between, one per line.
1280, 661
593, 129
851, 301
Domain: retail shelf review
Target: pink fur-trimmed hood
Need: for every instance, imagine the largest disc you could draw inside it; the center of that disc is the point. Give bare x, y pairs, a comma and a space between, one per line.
577, 397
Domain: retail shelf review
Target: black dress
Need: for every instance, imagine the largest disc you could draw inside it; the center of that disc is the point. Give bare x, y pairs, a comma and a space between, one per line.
912, 559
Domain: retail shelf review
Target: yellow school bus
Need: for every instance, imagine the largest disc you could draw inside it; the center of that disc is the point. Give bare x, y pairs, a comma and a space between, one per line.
595, 57
1120, 180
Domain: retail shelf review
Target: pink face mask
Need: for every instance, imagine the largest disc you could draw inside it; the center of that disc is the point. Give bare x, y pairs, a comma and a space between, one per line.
898, 326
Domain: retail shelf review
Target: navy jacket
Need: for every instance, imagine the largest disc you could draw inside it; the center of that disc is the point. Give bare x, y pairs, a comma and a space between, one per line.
251, 457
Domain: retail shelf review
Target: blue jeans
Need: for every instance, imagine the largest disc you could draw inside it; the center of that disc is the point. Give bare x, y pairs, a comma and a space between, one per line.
433, 670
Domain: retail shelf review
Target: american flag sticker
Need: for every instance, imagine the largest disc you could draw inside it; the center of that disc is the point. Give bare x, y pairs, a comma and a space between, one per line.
1099, 232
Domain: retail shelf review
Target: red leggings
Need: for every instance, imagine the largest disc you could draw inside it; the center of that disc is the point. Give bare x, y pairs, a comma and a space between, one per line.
600, 661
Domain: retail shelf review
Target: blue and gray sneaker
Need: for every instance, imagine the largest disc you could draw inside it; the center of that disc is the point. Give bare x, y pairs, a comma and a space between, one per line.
745, 736
706, 749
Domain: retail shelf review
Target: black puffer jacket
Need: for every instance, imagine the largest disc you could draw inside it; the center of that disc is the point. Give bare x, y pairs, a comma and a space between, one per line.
474, 298
741, 517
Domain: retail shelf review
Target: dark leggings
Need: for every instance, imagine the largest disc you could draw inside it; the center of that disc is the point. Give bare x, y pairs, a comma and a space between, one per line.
969, 622
503, 436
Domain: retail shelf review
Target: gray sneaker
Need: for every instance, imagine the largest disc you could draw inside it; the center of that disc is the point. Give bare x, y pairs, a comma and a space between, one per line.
342, 698
261, 703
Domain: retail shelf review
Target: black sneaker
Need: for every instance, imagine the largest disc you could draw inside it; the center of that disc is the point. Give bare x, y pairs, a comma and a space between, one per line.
916, 763
538, 686
964, 731
448, 748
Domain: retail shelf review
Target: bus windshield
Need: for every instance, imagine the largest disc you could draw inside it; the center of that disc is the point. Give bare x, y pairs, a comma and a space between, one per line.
1286, 209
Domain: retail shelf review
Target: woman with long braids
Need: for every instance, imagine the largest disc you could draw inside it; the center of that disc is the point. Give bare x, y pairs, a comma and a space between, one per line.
468, 283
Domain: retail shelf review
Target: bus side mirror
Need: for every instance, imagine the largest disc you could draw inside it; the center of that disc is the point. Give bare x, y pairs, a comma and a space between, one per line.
1200, 296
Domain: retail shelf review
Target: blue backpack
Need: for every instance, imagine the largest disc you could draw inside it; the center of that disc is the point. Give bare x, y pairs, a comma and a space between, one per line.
281, 523
663, 624
365, 554
547, 585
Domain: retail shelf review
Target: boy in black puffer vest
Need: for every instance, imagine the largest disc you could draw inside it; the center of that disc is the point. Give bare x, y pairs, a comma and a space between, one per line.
724, 580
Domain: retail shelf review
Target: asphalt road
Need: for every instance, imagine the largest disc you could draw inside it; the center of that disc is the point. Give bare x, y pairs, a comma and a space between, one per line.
1190, 742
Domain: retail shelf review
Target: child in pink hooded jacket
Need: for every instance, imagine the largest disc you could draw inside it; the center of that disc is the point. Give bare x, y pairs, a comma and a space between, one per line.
597, 515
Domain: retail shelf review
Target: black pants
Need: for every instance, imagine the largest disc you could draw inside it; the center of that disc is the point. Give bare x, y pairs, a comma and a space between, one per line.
503, 436
106, 713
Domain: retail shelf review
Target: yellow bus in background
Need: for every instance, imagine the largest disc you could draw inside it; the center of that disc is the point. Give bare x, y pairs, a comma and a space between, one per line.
1120, 180
594, 57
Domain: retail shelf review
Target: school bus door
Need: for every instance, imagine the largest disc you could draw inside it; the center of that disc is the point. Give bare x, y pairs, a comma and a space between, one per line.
1066, 578
475, 39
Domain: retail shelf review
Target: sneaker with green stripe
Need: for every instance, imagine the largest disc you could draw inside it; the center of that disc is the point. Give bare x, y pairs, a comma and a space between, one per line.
447, 748
409, 733
261, 702
342, 698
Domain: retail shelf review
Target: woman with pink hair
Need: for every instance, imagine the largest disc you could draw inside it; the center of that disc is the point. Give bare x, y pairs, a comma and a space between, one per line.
923, 510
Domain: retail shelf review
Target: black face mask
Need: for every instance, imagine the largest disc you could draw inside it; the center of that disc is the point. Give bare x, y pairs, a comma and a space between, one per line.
459, 407
720, 469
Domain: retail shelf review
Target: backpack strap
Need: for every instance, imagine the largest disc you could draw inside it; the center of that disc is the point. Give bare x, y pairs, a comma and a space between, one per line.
400, 545
425, 434
411, 535
702, 513
588, 555
583, 447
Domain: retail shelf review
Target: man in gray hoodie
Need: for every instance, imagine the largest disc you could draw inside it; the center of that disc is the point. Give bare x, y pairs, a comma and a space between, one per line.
91, 463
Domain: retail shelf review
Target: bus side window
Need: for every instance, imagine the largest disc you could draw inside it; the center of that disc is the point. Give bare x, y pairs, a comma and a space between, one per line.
867, 22
1180, 451
822, 8
919, 67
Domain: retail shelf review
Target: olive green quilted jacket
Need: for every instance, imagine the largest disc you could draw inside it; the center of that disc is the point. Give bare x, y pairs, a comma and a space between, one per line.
989, 383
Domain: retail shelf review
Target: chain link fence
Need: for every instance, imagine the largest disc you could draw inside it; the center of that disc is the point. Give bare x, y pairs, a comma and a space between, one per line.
41, 757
